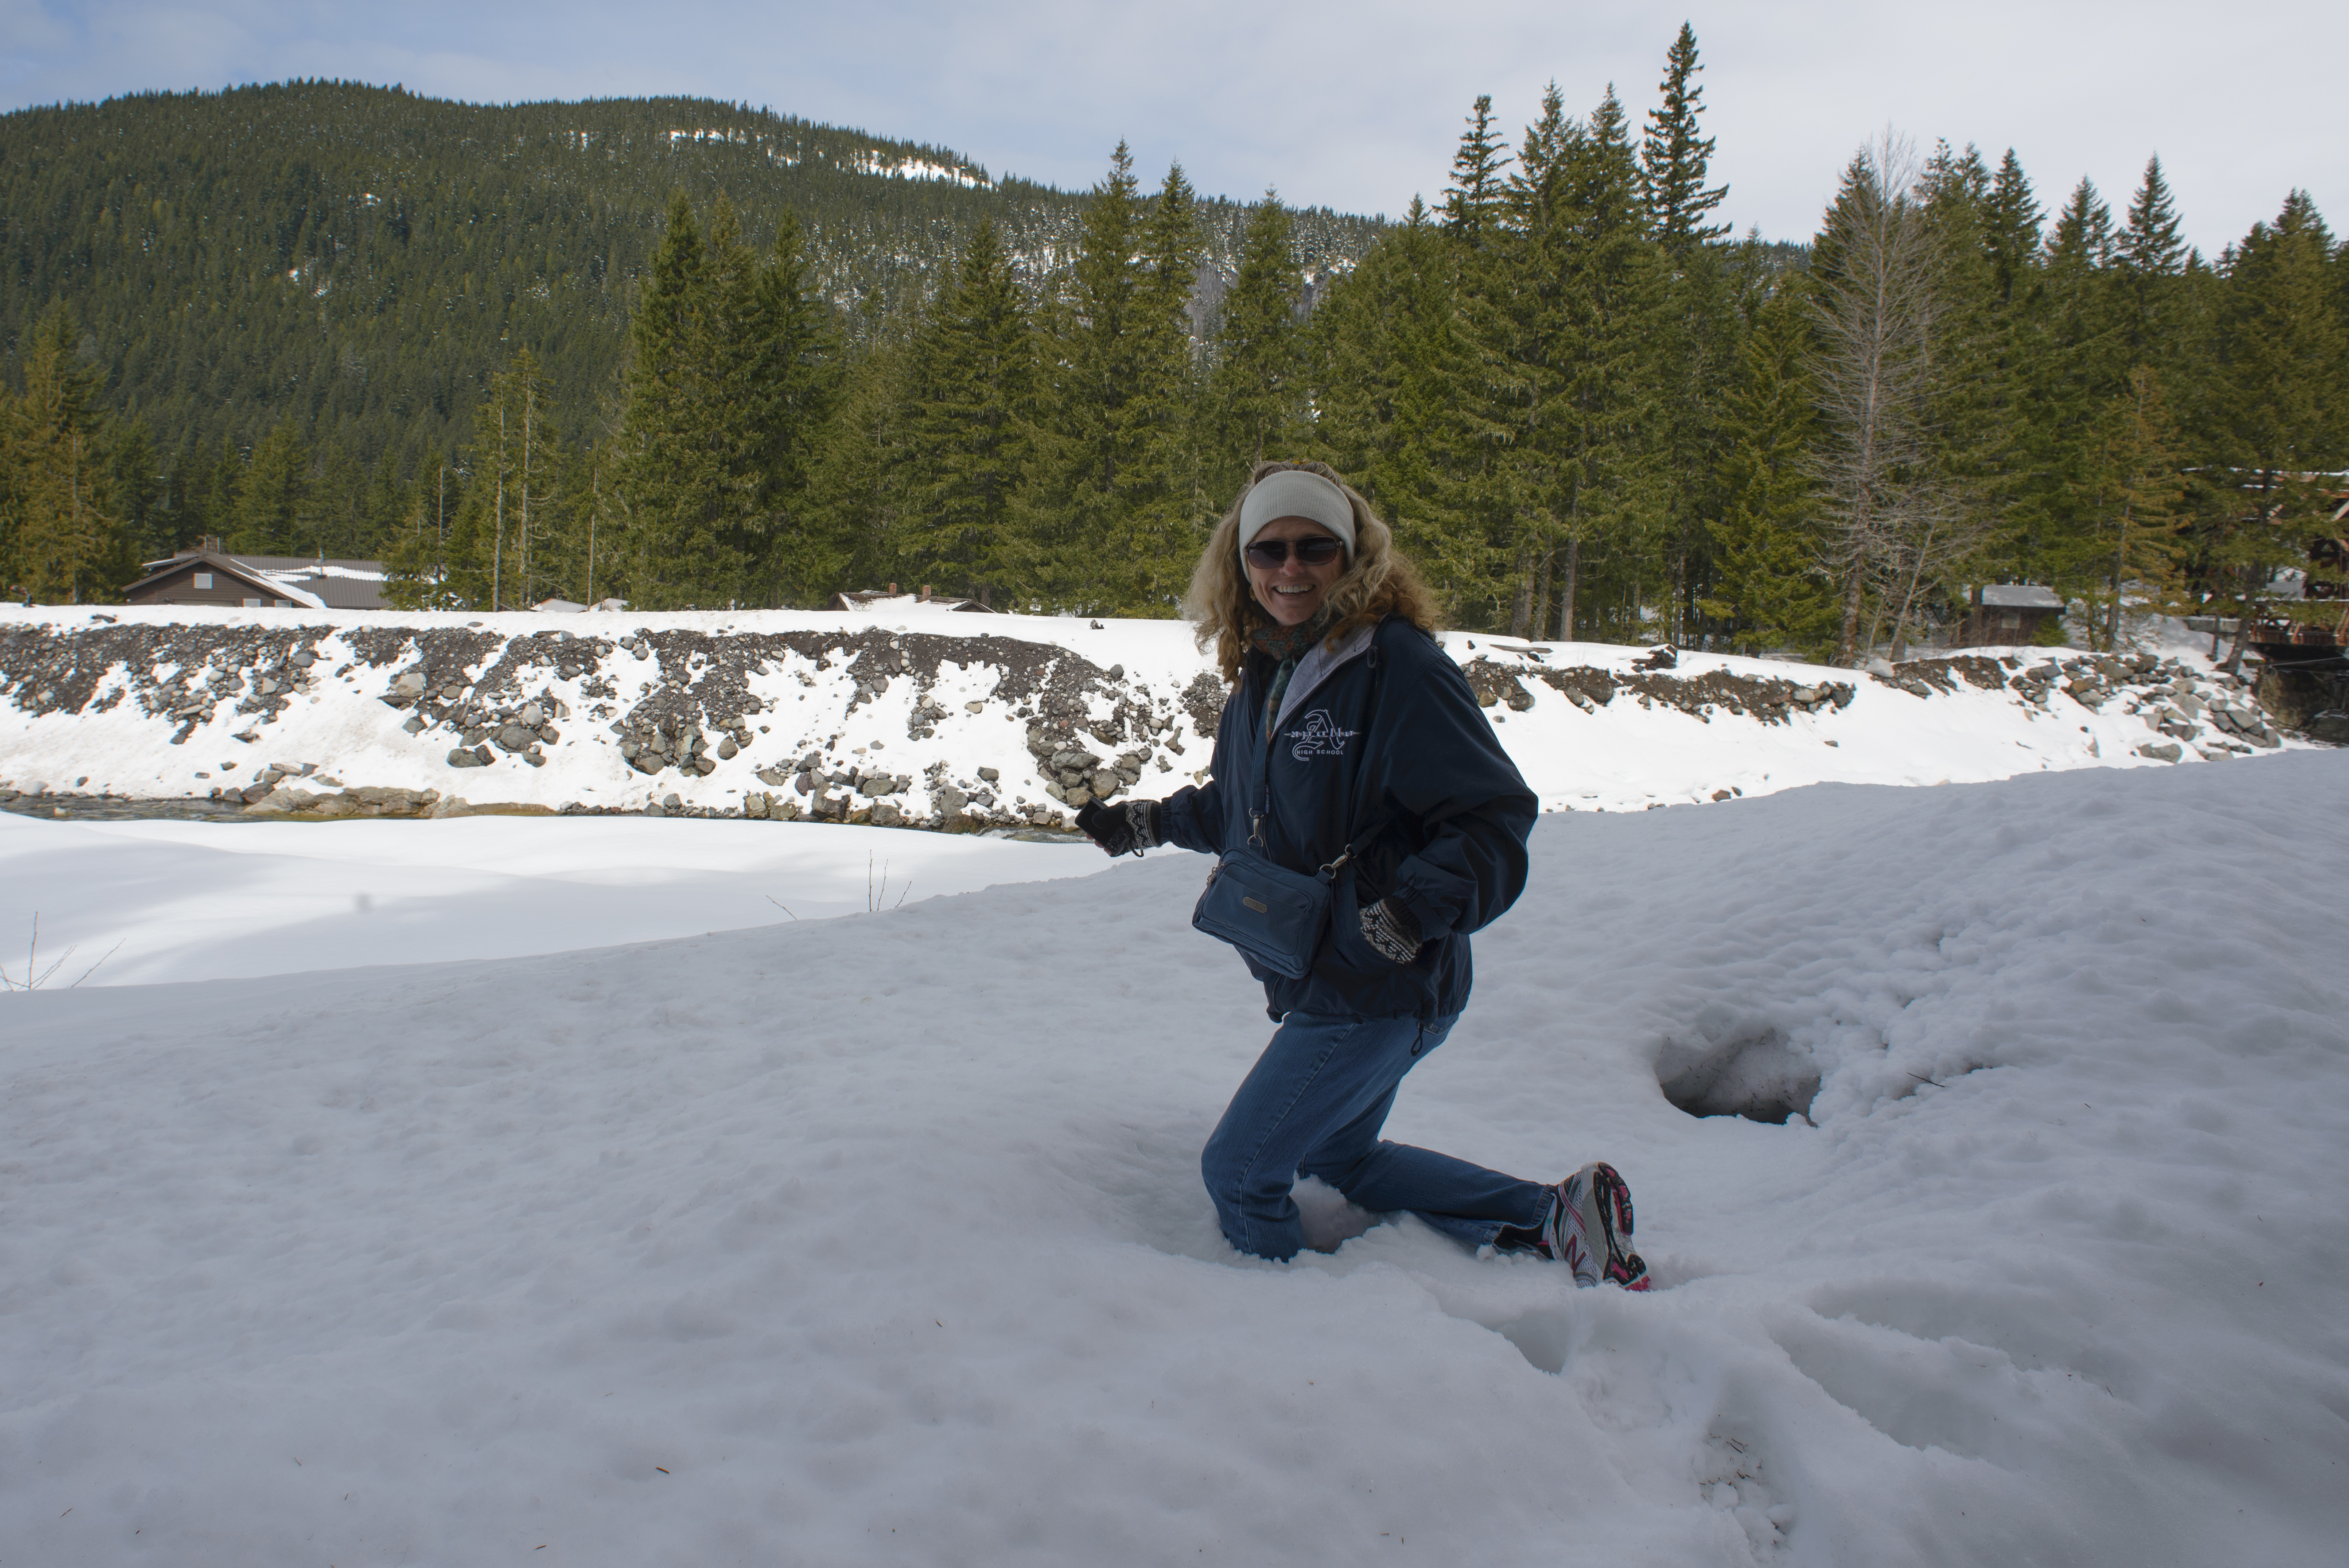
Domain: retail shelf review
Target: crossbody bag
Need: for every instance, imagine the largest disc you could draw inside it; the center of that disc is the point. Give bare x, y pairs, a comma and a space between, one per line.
1276, 916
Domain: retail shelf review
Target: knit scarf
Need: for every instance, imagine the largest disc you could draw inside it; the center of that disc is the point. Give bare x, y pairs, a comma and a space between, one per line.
1285, 645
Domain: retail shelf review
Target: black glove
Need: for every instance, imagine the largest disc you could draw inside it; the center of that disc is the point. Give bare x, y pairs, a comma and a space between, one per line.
1127, 829
1392, 929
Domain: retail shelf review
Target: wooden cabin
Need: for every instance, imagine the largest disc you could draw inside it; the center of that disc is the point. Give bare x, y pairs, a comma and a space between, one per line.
208, 574
2008, 614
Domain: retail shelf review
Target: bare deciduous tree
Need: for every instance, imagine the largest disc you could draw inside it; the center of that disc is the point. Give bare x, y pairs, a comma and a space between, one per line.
1895, 526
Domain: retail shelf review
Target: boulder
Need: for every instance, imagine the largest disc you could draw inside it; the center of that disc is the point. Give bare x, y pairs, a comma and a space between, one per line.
285, 798
2161, 750
728, 750
990, 776
886, 814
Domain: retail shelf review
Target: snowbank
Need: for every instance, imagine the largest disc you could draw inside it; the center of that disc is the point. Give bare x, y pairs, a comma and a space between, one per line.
929, 717
880, 1238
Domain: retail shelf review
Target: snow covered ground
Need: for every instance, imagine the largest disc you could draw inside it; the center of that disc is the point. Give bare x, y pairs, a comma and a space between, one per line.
913, 712
149, 901
879, 1239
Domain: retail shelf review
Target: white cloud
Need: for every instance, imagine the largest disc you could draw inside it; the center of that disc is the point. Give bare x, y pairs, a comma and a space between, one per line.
1353, 106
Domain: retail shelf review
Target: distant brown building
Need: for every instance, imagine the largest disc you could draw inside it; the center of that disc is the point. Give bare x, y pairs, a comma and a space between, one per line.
208, 576
888, 598
2004, 614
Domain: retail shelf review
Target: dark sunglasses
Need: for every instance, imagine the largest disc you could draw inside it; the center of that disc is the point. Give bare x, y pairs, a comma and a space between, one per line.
1269, 553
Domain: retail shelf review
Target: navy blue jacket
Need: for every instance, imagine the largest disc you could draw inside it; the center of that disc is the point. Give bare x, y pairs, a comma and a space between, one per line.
1385, 724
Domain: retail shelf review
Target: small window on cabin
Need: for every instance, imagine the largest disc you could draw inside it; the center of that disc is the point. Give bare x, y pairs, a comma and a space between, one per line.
285, 604
203, 579
252, 603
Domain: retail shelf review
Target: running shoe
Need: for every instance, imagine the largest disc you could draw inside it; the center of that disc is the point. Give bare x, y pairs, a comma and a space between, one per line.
1590, 1229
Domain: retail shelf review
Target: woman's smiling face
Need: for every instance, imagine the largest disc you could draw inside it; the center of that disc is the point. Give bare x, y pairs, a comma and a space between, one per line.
1293, 592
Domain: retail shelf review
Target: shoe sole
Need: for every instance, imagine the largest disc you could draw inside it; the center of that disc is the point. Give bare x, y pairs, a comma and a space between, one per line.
1612, 1200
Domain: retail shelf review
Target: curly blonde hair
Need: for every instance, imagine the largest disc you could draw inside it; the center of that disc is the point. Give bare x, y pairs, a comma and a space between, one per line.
1377, 582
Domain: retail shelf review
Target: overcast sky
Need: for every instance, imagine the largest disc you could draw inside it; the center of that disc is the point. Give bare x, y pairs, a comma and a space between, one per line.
1355, 105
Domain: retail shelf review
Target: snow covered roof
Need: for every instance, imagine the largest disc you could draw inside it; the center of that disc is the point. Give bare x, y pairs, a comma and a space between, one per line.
334, 585
882, 600
314, 581
2020, 596
269, 584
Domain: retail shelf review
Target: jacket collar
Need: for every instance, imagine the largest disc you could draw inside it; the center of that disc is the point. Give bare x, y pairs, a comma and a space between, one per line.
1315, 668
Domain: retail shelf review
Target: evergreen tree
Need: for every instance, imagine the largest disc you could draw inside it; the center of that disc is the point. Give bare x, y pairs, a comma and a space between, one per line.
2137, 484
2010, 219
2149, 256
273, 496
864, 469
2285, 371
973, 436
134, 471
1394, 361
729, 381
1773, 590
1166, 505
1613, 489
1673, 157
1256, 392
1696, 344
2074, 363
60, 539
1515, 292
2151, 245
672, 479
1473, 202
770, 357
1103, 411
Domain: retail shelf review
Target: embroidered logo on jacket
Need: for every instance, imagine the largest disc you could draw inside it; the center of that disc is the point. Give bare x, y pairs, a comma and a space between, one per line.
1319, 736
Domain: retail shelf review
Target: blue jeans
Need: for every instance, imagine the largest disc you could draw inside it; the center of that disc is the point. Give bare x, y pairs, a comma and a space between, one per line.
1313, 1104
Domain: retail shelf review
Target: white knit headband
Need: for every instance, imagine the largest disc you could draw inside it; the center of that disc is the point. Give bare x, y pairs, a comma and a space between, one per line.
1296, 493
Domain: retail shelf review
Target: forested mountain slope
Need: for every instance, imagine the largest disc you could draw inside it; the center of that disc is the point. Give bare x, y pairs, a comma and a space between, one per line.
363, 257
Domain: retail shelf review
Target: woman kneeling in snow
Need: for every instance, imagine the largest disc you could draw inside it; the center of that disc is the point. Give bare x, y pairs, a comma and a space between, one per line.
1352, 770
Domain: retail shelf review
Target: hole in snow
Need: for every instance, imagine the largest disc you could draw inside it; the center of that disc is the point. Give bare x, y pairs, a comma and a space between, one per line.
1758, 1075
